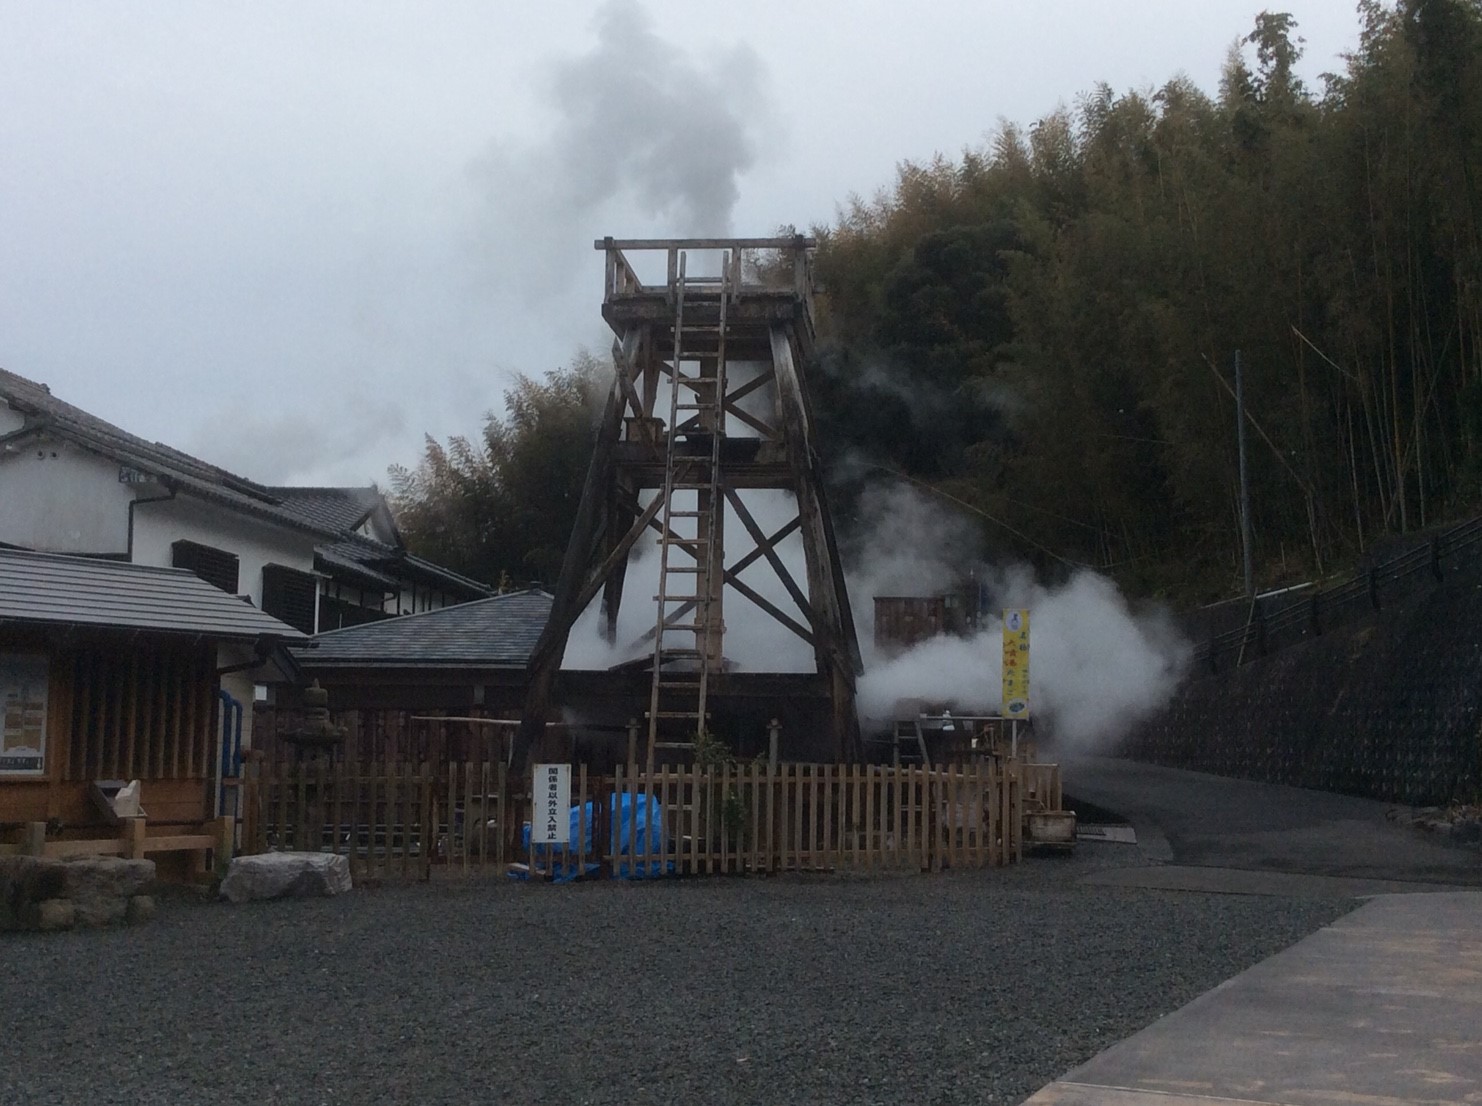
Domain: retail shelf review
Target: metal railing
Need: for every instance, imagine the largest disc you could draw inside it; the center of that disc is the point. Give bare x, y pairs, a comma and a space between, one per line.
1322, 609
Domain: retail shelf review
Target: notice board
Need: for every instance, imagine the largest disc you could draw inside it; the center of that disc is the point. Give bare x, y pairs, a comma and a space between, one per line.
23, 692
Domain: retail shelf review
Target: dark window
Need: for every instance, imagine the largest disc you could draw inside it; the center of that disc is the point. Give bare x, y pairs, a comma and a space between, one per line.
215, 566
288, 594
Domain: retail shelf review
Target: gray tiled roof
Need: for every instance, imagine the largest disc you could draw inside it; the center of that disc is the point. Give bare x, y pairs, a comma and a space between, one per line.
53, 589
356, 551
49, 414
340, 560
332, 508
497, 632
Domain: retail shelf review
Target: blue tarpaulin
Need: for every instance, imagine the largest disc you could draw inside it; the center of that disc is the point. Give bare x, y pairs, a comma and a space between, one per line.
637, 828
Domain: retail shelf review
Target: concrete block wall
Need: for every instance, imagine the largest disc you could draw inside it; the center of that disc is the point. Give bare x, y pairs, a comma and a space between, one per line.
1388, 707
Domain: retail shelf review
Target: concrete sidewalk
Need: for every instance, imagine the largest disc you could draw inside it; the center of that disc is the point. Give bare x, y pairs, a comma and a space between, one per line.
1384, 1008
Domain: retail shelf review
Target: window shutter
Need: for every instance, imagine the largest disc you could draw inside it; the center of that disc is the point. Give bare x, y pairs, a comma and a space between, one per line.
288, 595
216, 566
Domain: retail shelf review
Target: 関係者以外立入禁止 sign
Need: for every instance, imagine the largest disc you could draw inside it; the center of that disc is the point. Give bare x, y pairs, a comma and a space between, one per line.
550, 820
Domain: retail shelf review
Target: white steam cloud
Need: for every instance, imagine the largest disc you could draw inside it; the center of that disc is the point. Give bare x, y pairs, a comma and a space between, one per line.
636, 120
1097, 666
754, 641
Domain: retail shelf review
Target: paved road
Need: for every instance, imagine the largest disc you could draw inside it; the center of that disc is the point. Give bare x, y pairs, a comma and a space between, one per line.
1194, 820
1381, 1007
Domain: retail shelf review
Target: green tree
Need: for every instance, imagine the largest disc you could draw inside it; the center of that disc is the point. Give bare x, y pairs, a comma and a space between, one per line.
1074, 292
502, 510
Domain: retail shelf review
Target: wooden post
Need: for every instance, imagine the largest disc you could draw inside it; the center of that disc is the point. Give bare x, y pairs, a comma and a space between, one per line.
774, 740
224, 830
35, 840
632, 744
133, 835
429, 819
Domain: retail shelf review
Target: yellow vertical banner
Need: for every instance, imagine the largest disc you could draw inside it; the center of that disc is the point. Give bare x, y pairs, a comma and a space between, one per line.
1016, 664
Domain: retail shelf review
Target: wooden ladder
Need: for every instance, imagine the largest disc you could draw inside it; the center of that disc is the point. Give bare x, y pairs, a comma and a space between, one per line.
909, 744
677, 714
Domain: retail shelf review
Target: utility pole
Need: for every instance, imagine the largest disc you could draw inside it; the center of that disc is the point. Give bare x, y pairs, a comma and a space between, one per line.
1245, 539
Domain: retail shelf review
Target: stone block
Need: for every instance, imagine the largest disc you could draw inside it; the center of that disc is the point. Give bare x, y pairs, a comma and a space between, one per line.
55, 914
24, 882
100, 886
140, 909
285, 875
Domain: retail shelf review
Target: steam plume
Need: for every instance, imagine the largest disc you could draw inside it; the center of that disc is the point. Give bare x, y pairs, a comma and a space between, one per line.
636, 119
1097, 666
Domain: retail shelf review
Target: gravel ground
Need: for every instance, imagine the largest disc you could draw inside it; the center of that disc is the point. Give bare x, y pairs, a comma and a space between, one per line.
967, 987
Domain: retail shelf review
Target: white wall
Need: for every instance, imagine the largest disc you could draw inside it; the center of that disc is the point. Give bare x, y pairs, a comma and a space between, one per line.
239, 686
59, 497
157, 525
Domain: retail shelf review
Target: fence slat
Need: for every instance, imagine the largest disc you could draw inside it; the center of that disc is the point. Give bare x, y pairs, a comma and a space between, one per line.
611, 846
799, 842
583, 824
404, 817
726, 822
371, 817
280, 826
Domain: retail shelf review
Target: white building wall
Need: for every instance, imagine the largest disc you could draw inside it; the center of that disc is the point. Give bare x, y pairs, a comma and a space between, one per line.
59, 497
158, 525
239, 685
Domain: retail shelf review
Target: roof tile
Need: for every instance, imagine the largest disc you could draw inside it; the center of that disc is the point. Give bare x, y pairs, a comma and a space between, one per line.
497, 632
54, 589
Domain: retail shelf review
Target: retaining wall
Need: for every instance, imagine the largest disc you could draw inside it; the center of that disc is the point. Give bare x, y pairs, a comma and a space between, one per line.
1387, 704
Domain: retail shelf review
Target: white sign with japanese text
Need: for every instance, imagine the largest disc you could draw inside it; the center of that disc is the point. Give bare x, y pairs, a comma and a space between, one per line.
23, 693
550, 821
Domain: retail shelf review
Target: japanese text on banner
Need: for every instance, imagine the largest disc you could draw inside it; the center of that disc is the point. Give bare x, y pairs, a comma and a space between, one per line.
1016, 663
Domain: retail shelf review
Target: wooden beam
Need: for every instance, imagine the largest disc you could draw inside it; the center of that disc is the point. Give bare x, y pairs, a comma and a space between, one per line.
756, 554
618, 516
545, 659
60, 849
826, 571
750, 420
180, 843
131, 738
188, 692
795, 242
617, 556
765, 604
826, 589
761, 380
132, 837
178, 679
623, 365
768, 550
93, 765
673, 618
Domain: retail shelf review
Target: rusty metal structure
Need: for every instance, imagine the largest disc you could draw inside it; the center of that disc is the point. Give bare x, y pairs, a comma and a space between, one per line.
708, 405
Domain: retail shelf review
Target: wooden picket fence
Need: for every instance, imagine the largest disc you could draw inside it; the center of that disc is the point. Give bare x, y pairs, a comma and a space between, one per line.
415, 821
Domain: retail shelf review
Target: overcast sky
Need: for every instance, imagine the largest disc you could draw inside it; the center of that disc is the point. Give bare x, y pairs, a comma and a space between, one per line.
292, 237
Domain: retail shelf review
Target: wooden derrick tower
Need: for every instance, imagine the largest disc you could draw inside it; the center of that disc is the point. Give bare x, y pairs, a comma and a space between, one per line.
683, 440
